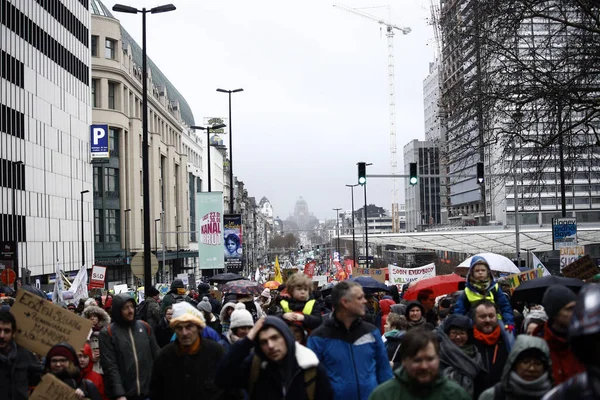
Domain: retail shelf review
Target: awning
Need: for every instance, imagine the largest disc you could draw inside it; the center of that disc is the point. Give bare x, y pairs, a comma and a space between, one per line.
481, 239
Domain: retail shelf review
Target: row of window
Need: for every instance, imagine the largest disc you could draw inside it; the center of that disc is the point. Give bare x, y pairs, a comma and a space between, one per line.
106, 182
107, 226
12, 122
110, 47
12, 69
66, 19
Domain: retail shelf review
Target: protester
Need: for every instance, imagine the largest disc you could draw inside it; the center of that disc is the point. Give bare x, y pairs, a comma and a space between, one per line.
481, 285
386, 309
419, 376
280, 368
301, 308
264, 300
128, 352
185, 369
493, 342
533, 320
151, 313
427, 299
240, 325
584, 335
176, 294
100, 320
395, 328
211, 319
164, 332
19, 368
460, 361
85, 357
414, 314
63, 363
350, 349
225, 316
559, 302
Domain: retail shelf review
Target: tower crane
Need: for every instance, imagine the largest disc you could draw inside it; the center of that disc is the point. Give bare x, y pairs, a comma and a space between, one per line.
390, 32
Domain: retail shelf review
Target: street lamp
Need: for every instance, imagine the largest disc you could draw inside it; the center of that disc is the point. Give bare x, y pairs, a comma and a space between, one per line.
208, 129
337, 227
517, 117
230, 147
82, 233
126, 236
353, 234
364, 185
15, 167
145, 158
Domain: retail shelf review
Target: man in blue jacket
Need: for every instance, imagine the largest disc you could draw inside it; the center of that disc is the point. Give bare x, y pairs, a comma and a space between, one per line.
350, 349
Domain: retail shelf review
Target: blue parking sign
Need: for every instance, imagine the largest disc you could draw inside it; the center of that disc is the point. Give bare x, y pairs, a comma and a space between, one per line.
99, 141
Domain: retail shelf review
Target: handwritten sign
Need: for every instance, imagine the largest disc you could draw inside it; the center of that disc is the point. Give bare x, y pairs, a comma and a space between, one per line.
376, 273
515, 280
582, 268
400, 276
42, 324
52, 388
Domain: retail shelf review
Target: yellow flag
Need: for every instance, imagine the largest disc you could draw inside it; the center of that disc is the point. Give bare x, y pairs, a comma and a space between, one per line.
278, 277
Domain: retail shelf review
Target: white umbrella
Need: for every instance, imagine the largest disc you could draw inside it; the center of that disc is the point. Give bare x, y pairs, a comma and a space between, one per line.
496, 262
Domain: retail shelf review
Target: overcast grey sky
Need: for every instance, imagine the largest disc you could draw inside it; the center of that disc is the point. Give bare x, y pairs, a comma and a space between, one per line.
315, 82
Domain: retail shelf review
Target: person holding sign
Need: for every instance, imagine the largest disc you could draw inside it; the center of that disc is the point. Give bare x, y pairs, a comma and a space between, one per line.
19, 368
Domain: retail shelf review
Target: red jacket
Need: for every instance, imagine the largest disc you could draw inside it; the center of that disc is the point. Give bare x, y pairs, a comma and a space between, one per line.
90, 375
386, 308
564, 363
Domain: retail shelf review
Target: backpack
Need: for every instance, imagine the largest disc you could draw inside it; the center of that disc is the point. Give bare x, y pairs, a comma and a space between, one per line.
141, 312
310, 378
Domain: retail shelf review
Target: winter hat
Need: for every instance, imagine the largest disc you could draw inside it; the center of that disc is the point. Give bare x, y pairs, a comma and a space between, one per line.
555, 298
90, 302
266, 293
205, 305
412, 305
152, 292
240, 317
534, 315
185, 312
457, 321
62, 350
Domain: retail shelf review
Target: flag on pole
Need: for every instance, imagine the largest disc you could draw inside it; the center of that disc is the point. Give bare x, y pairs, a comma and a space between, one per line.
79, 285
538, 264
278, 277
59, 287
257, 274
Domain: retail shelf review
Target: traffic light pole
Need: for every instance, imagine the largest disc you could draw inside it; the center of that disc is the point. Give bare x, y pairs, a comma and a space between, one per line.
366, 229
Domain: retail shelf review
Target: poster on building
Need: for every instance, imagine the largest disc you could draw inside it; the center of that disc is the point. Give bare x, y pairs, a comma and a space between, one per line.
234, 255
209, 214
564, 232
400, 276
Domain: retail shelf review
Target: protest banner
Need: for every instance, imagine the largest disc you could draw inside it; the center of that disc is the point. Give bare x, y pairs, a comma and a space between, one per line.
42, 324
52, 388
309, 268
569, 254
341, 274
376, 273
399, 276
582, 268
515, 280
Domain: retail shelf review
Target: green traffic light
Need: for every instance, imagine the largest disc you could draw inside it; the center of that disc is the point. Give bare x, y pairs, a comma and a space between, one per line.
413, 180
362, 180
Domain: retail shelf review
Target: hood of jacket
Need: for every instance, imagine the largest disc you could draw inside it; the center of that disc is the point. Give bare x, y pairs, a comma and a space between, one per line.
117, 306
525, 342
413, 304
398, 309
103, 318
386, 305
176, 284
87, 350
224, 310
281, 326
473, 263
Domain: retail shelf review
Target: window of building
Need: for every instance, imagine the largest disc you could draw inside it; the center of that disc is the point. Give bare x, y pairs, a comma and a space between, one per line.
112, 91
97, 181
113, 141
95, 86
111, 182
94, 45
112, 226
110, 48
98, 228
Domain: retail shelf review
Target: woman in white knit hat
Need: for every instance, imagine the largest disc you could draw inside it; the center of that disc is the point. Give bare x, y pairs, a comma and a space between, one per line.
240, 325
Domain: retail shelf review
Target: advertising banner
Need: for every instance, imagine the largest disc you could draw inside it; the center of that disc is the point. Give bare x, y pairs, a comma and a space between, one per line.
570, 254
564, 232
376, 273
400, 276
515, 280
99, 141
209, 212
234, 256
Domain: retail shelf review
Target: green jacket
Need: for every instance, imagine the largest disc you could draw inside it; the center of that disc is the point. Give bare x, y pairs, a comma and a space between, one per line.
401, 387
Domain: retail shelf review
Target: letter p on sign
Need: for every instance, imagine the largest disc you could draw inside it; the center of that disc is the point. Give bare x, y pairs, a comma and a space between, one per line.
97, 134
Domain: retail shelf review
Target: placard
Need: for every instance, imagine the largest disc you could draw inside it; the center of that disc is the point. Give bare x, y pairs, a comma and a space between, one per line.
515, 280
569, 254
376, 273
98, 277
42, 324
400, 276
582, 268
52, 388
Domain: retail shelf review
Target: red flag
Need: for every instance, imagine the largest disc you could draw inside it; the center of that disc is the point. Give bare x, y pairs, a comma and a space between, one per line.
341, 272
309, 269
349, 265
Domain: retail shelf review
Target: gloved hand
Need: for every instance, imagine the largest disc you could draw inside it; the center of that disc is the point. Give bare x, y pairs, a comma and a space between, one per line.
510, 328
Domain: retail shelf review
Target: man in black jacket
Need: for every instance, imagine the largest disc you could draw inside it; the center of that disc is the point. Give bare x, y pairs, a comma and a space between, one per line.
185, 369
19, 368
280, 368
128, 350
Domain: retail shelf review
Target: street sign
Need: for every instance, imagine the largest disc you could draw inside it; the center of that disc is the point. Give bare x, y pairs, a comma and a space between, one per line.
137, 264
99, 141
8, 276
564, 232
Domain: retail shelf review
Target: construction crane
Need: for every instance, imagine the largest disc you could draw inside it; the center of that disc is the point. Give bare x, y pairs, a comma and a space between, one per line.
390, 32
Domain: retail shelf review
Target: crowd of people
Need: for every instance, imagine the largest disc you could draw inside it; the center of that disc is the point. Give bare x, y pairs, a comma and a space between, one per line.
296, 343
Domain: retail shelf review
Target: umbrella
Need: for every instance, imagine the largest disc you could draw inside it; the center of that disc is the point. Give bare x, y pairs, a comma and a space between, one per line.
226, 277
441, 285
242, 286
272, 285
496, 262
533, 291
370, 285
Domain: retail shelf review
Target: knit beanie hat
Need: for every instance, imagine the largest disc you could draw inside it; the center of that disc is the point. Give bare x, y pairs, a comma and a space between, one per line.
90, 302
555, 298
185, 312
240, 317
62, 350
152, 292
205, 305
266, 293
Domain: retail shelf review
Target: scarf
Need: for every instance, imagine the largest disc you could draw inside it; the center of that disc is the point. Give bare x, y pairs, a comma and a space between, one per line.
416, 324
469, 350
535, 389
481, 286
452, 356
489, 339
191, 350
10, 357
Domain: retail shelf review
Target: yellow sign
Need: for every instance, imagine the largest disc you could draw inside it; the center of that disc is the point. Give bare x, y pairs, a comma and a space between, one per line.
278, 277
516, 279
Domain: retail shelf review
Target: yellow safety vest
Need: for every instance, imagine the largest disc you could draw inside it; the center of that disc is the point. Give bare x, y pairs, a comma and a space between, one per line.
308, 307
474, 297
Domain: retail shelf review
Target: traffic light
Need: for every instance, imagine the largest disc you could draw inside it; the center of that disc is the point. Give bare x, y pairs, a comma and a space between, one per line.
413, 179
362, 173
480, 173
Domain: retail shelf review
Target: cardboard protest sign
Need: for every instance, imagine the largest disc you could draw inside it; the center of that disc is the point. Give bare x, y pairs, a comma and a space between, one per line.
42, 324
52, 388
515, 280
400, 276
376, 273
582, 268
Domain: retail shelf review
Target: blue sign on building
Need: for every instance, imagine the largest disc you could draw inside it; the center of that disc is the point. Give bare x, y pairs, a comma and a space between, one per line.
99, 141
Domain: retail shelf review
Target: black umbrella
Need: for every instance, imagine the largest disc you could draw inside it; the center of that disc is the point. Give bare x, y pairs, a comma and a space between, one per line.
327, 288
533, 291
370, 285
226, 277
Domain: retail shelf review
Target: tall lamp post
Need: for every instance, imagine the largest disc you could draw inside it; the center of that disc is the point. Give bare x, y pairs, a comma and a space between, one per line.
364, 185
353, 234
230, 147
15, 236
337, 227
82, 232
145, 159
517, 117
126, 212
208, 129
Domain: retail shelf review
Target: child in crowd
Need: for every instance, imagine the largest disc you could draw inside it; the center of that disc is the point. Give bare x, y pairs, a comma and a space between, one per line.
301, 308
